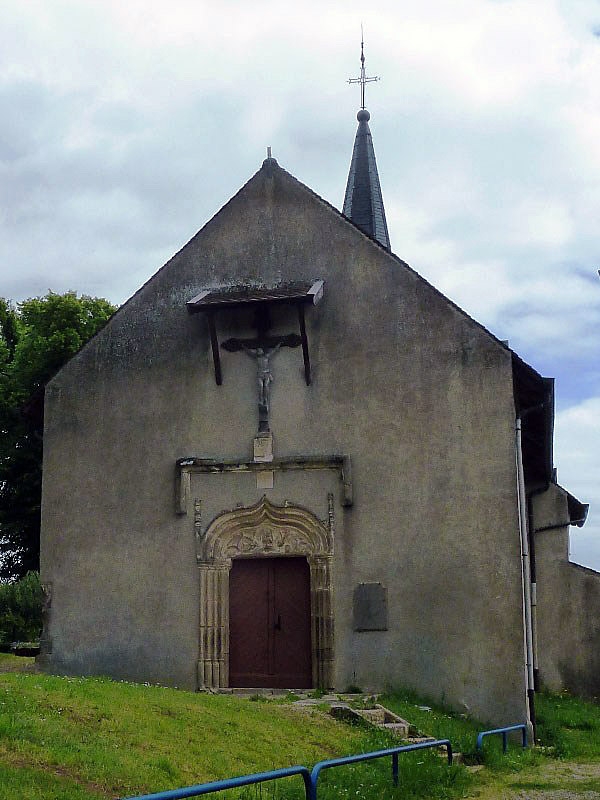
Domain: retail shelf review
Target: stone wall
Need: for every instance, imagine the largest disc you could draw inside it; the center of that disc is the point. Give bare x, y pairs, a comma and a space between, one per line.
568, 604
416, 394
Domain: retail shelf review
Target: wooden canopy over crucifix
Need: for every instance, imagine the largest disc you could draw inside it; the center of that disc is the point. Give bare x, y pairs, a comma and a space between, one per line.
297, 293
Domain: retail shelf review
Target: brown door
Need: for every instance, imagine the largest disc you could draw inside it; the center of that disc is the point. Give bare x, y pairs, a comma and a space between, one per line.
269, 623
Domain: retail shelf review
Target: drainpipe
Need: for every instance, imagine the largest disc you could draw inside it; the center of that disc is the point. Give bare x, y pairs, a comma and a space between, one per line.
534, 636
526, 575
532, 531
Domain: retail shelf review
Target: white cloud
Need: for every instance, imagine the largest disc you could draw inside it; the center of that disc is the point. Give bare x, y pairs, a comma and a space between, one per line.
577, 445
127, 125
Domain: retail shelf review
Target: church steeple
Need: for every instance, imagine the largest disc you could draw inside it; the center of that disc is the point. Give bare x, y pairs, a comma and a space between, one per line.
363, 202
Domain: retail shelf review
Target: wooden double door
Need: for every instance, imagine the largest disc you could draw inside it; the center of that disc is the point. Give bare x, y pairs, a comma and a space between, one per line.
269, 623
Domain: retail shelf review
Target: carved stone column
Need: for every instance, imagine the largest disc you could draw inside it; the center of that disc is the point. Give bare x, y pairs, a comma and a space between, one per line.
321, 620
213, 662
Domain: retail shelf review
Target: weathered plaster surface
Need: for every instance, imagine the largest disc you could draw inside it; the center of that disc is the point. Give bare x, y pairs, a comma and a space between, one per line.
568, 604
416, 393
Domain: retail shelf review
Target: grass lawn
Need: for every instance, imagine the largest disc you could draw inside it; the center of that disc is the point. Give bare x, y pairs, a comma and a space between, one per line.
95, 737
75, 738
569, 727
566, 759
443, 723
10, 663
83, 738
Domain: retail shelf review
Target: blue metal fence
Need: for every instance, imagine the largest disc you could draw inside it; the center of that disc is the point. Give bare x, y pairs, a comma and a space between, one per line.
504, 731
310, 778
392, 751
230, 783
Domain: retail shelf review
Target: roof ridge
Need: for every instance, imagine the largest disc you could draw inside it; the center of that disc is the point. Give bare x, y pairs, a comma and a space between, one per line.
404, 264
270, 164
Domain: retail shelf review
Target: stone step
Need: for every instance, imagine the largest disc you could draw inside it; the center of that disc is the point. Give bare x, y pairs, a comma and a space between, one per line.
420, 739
374, 715
398, 728
379, 716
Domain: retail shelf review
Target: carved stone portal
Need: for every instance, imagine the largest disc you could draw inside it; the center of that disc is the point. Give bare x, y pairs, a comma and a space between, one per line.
262, 530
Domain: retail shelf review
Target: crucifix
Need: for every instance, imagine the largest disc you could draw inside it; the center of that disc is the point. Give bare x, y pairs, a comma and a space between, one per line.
363, 77
262, 348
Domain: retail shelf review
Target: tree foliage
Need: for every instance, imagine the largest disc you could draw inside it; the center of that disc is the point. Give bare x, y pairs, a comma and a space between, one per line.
21, 610
37, 337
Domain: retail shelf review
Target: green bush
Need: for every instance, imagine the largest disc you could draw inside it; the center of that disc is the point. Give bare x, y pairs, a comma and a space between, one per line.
21, 610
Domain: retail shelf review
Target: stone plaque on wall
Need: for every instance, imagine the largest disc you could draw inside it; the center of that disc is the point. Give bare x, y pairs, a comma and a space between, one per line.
263, 447
264, 479
370, 607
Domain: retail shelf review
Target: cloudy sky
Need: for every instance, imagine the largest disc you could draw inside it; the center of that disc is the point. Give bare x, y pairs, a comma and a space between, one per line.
127, 125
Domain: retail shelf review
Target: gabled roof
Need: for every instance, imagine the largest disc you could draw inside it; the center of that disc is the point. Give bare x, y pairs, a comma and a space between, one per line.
269, 170
363, 202
533, 394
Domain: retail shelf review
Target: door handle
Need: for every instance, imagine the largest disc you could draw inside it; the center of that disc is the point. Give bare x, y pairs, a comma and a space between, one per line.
277, 625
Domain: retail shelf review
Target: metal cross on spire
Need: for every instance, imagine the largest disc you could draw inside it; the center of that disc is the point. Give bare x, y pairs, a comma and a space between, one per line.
363, 78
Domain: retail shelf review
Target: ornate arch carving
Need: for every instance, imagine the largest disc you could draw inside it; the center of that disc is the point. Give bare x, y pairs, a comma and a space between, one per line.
263, 530
258, 531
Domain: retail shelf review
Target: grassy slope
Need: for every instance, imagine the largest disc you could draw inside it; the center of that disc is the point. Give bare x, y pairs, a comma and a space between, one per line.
77, 739
116, 739
569, 726
568, 759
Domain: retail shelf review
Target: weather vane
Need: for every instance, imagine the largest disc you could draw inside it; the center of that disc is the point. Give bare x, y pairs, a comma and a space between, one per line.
363, 78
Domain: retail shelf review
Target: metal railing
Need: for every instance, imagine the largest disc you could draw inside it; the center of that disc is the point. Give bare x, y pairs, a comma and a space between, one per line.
504, 731
393, 752
310, 778
230, 783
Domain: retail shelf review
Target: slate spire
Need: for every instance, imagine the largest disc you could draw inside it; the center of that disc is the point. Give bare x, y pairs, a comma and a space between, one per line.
363, 202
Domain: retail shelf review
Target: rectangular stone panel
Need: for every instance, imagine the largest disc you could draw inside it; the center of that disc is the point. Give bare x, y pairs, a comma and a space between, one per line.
370, 607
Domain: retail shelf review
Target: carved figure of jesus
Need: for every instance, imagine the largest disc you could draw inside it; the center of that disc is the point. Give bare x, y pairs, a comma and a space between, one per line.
265, 379
262, 350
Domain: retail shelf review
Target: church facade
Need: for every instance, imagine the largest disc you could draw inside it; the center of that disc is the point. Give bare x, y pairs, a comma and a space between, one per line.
289, 461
